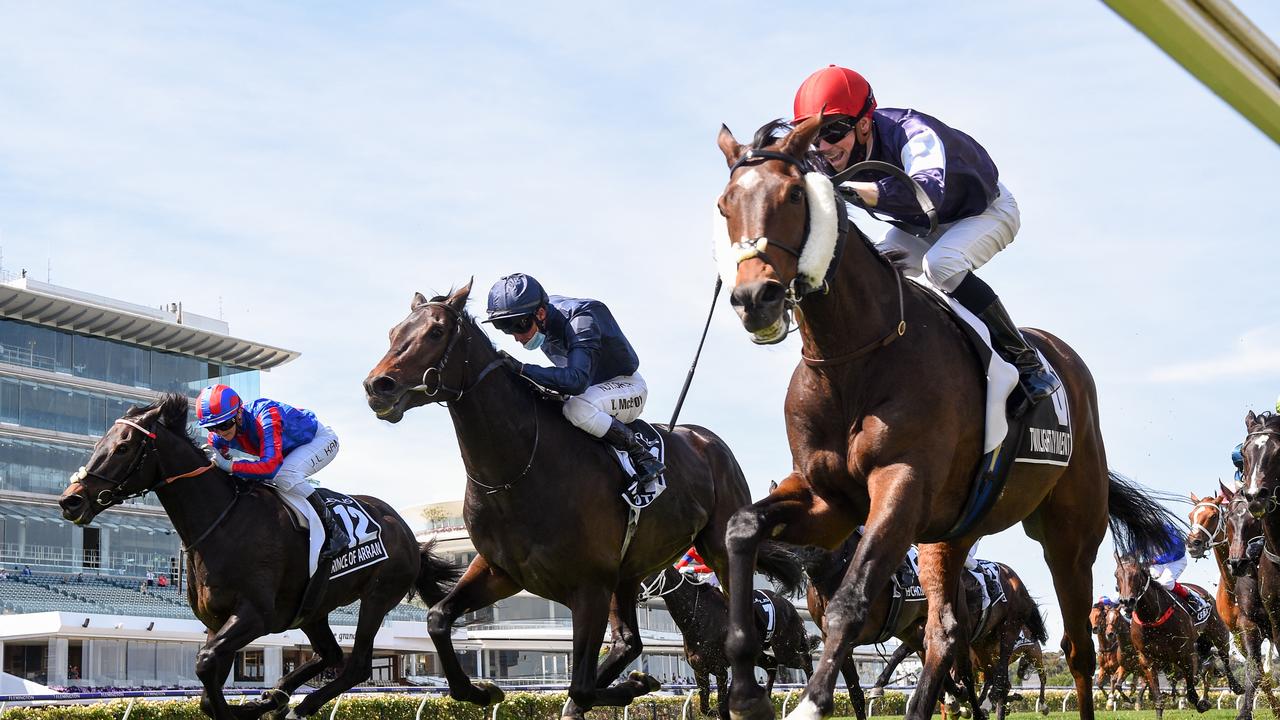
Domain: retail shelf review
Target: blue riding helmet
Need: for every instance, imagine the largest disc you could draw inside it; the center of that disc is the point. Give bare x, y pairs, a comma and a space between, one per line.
514, 296
1237, 457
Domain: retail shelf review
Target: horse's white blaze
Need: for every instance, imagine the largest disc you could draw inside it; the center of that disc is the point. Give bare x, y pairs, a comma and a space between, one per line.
806, 710
1260, 441
723, 251
749, 179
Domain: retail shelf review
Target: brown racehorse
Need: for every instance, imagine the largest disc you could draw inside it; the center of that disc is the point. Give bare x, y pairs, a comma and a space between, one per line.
1209, 532
222, 523
1165, 635
542, 502
885, 422
1029, 654
1255, 569
702, 614
1116, 658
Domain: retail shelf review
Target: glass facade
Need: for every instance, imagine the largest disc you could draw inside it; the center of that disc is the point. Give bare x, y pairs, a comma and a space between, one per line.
42, 465
110, 361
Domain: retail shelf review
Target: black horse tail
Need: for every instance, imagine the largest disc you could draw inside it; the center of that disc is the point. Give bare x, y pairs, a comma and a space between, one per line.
436, 576
782, 567
1035, 624
1138, 522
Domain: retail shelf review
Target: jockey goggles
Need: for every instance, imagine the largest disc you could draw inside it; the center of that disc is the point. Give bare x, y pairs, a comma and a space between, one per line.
224, 425
514, 325
835, 132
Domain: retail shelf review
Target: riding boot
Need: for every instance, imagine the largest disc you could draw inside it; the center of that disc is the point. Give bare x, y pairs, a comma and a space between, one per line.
336, 539
620, 436
1038, 380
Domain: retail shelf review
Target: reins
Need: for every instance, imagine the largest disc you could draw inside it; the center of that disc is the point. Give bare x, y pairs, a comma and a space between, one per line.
438, 369
1220, 529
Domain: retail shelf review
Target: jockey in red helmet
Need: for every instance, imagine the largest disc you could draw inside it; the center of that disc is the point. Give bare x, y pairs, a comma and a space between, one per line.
977, 215
288, 442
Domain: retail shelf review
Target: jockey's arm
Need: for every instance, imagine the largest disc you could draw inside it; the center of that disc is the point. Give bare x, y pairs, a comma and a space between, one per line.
584, 350
924, 160
267, 464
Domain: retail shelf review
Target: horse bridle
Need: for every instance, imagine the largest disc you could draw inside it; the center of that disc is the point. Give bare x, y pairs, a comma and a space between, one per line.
438, 368
1269, 498
1220, 529
747, 249
110, 497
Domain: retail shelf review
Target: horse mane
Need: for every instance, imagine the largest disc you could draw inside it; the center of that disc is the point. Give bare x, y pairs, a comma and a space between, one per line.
1269, 420
173, 409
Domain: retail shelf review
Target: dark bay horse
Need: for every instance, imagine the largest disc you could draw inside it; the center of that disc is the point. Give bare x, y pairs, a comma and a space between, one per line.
702, 614
222, 522
542, 501
1028, 652
885, 422
1166, 637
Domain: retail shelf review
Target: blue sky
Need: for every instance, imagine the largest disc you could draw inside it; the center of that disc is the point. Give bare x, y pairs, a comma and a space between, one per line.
304, 168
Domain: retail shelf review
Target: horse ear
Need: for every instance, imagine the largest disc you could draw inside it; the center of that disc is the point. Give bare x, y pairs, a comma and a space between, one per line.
458, 300
799, 141
1250, 420
731, 148
1194, 499
1226, 491
418, 301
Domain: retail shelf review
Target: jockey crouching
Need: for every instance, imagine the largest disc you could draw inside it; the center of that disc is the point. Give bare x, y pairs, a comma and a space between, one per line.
593, 362
290, 445
977, 215
1167, 567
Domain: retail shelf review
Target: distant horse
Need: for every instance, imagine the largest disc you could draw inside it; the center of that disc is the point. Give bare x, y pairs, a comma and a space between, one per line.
885, 422
1255, 579
1166, 636
702, 614
542, 502
248, 566
1117, 659
1029, 654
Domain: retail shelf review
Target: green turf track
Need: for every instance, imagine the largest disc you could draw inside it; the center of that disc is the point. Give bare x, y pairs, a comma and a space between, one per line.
1128, 715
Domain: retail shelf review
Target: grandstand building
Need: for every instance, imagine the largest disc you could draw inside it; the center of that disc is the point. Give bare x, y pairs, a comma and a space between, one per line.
77, 609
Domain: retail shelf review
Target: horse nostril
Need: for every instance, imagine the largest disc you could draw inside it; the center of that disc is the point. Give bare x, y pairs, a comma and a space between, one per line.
381, 385
71, 503
771, 293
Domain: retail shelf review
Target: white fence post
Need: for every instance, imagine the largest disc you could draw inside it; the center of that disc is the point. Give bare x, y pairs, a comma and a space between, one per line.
1066, 698
128, 709
684, 710
418, 715
494, 716
334, 712
786, 700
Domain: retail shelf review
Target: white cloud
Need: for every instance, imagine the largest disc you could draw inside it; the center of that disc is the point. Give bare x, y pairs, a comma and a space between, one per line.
1256, 356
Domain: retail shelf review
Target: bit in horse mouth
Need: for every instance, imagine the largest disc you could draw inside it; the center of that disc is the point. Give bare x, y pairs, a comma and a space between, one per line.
775, 333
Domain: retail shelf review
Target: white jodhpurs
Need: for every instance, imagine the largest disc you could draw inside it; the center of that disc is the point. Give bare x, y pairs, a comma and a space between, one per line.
305, 461
1168, 573
959, 247
593, 411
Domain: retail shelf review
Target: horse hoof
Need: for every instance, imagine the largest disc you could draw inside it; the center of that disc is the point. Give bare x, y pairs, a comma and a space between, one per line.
647, 681
760, 709
1202, 705
806, 709
492, 693
875, 692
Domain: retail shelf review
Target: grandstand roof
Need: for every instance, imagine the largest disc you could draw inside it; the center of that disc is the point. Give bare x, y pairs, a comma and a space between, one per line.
186, 333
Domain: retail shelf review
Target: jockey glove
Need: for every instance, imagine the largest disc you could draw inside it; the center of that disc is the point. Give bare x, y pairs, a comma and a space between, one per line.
223, 462
512, 364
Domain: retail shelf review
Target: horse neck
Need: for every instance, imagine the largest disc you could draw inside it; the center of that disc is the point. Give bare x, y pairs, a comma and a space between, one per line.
193, 503
494, 420
1221, 553
1153, 603
683, 604
859, 307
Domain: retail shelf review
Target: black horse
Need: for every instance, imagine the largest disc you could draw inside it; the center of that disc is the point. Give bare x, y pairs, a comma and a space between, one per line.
542, 502
248, 565
702, 614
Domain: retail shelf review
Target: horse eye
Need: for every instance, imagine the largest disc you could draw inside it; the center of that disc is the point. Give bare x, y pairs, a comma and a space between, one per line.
797, 194
435, 333
121, 449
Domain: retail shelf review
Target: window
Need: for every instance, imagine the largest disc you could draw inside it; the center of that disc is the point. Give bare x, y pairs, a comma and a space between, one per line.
250, 666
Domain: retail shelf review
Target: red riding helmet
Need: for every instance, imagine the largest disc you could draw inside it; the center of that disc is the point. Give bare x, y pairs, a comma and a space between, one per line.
834, 90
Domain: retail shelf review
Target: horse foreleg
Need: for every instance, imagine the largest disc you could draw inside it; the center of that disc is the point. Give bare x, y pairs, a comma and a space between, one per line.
1222, 643
481, 586
1189, 677
793, 510
590, 608
328, 654
849, 671
702, 679
722, 694
945, 630
886, 675
217, 657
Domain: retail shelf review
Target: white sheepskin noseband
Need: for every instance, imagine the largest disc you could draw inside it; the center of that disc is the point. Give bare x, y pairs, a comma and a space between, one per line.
819, 247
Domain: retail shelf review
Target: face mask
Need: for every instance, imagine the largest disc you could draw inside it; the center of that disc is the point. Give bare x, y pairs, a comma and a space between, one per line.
535, 342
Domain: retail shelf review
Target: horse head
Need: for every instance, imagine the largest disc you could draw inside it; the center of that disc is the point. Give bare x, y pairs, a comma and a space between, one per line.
1098, 619
1244, 533
1261, 462
129, 460
1115, 625
429, 358
783, 221
1133, 579
1208, 527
